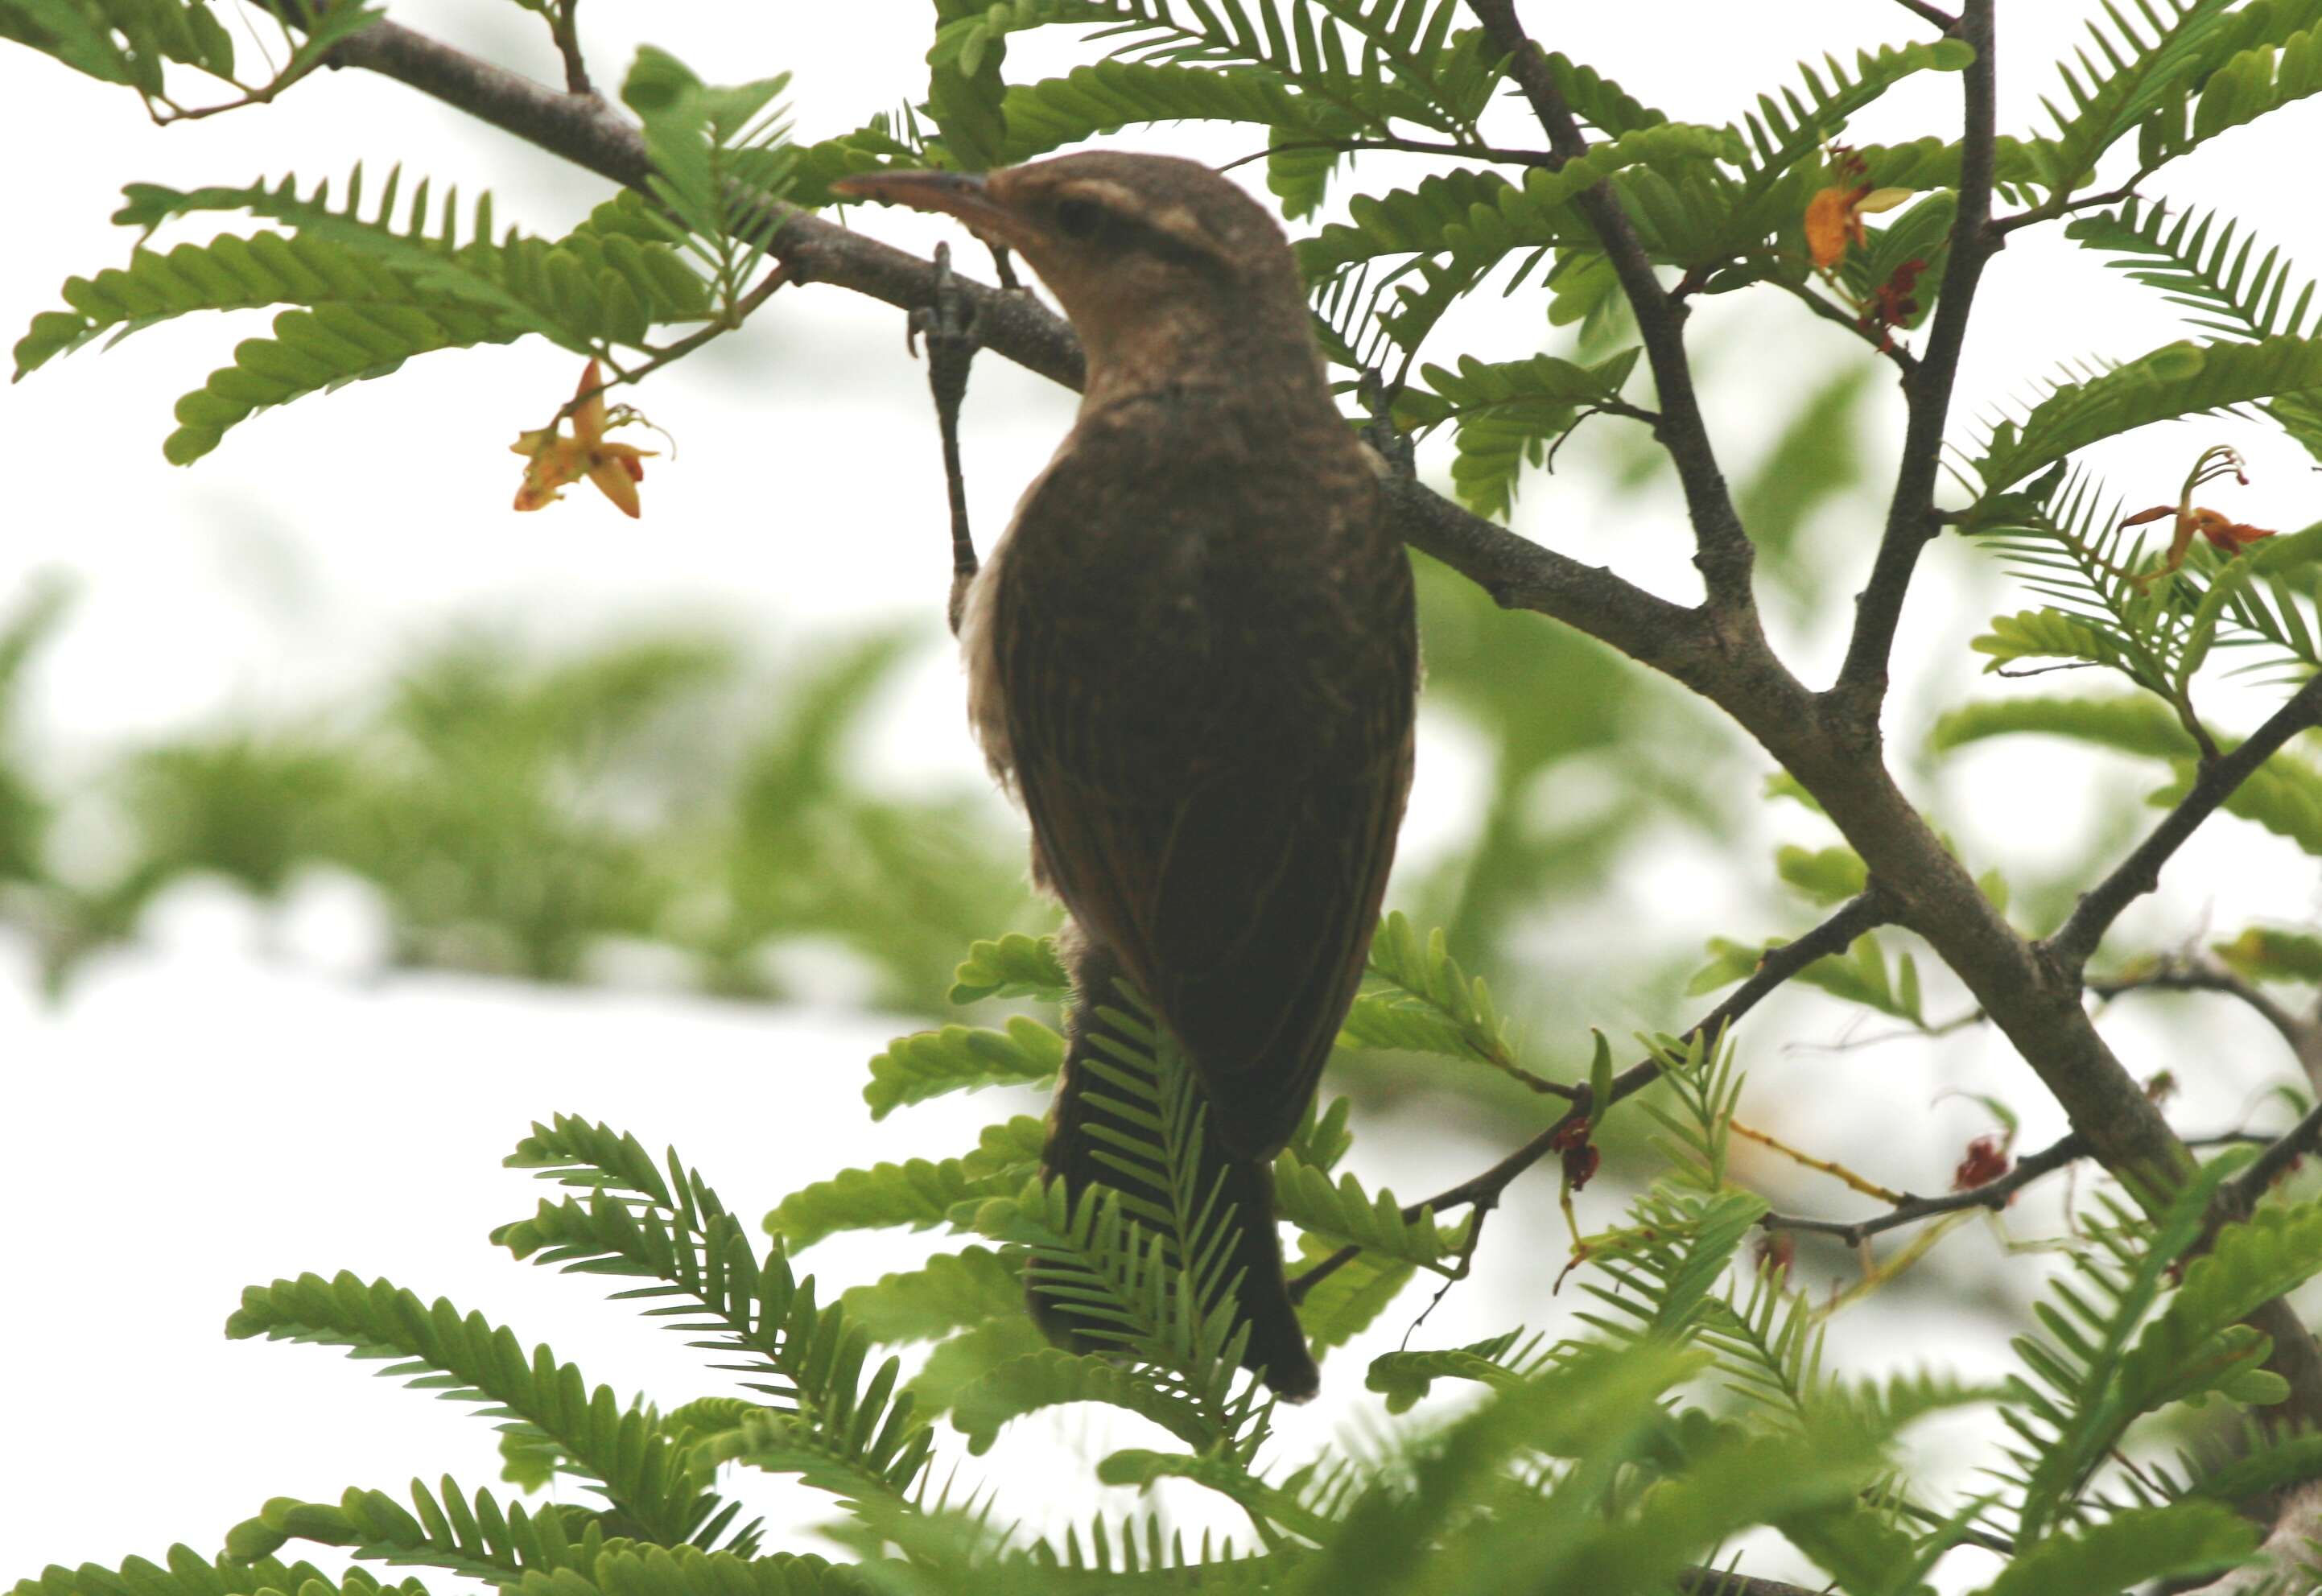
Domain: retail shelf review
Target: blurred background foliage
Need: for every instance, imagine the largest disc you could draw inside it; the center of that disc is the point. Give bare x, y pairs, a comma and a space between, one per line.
672, 805
532, 814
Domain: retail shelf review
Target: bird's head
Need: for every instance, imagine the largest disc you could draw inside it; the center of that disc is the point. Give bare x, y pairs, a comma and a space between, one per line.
1164, 266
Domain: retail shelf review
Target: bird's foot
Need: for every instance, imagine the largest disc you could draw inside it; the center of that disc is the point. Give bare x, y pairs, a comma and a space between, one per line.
947, 322
1389, 441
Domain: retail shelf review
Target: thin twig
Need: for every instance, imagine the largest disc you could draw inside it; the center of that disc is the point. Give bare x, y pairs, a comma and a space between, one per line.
1488, 152
2198, 973
1996, 1194
1992, 1194
2061, 207
1903, 360
1722, 548
1860, 689
2070, 948
1920, 8
1865, 912
565, 26
2272, 1164
744, 308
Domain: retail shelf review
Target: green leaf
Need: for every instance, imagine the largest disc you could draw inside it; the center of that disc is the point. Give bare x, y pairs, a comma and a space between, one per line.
467, 1359
2223, 284
2180, 379
2129, 1548
1348, 1299
961, 1058
2283, 794
2270, 953
1418, 1000
1110, 95
1347, 1214
189, 1573
1504, 1363
1826, 875
1506, 414
951, 1291
915, 1193
1051, 1377
1015, 966
2147, 80
478, 1537
372, 294
2135, 724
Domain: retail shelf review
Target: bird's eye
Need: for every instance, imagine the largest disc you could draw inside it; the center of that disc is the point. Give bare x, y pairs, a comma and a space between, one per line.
1079, 219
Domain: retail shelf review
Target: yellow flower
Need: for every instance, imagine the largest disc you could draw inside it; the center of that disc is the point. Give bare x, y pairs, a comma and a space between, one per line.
556, 460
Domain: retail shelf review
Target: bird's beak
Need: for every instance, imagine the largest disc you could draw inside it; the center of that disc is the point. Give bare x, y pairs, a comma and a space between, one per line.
963, 195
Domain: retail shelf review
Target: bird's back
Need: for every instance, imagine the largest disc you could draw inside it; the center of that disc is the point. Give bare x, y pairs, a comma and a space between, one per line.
1198, 643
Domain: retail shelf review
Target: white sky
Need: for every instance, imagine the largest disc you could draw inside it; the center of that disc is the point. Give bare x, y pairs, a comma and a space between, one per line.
197, 1116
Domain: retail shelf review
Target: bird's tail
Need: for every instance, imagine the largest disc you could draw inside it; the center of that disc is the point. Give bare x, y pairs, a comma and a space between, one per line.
1080, 1128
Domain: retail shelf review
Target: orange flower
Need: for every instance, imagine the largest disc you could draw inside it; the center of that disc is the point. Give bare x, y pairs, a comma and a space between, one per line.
2228, 537
1834, 214
1833, 221
556, 460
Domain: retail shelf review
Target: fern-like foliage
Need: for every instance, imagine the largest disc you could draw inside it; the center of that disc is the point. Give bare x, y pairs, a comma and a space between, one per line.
136, 45
1863, 974
1375, 60
1012, 966
186, 1572
2180, 379
2120, 1346
1140, 1265
2161, 72
444, 1529
721, 160
373, 288
617, 1447
1417, 998
1506, 414
2221, 281
824, 1421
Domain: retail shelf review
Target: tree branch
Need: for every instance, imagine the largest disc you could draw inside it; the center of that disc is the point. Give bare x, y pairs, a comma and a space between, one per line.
1519, 573
2272, 1164
1724, 554
2201, 974
2064, 205
1902, 358
1835, 936
1865, 912
1920, 8
1992, 1194
1860, 690
1720, 653
1996, 1194
2072, 944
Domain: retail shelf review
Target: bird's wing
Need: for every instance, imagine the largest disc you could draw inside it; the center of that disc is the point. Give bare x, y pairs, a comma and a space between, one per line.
1237, 874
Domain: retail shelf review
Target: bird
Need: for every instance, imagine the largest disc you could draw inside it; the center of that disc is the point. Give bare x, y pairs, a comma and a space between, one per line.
1193, 657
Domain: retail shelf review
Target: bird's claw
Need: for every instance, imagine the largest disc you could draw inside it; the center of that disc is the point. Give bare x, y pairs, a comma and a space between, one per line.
1393, 444
947, 322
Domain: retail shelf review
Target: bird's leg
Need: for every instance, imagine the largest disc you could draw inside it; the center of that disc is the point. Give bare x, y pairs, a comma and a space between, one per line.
1389, 442
948, 324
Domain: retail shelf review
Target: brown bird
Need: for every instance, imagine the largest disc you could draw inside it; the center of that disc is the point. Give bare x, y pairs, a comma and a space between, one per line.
1193, 655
